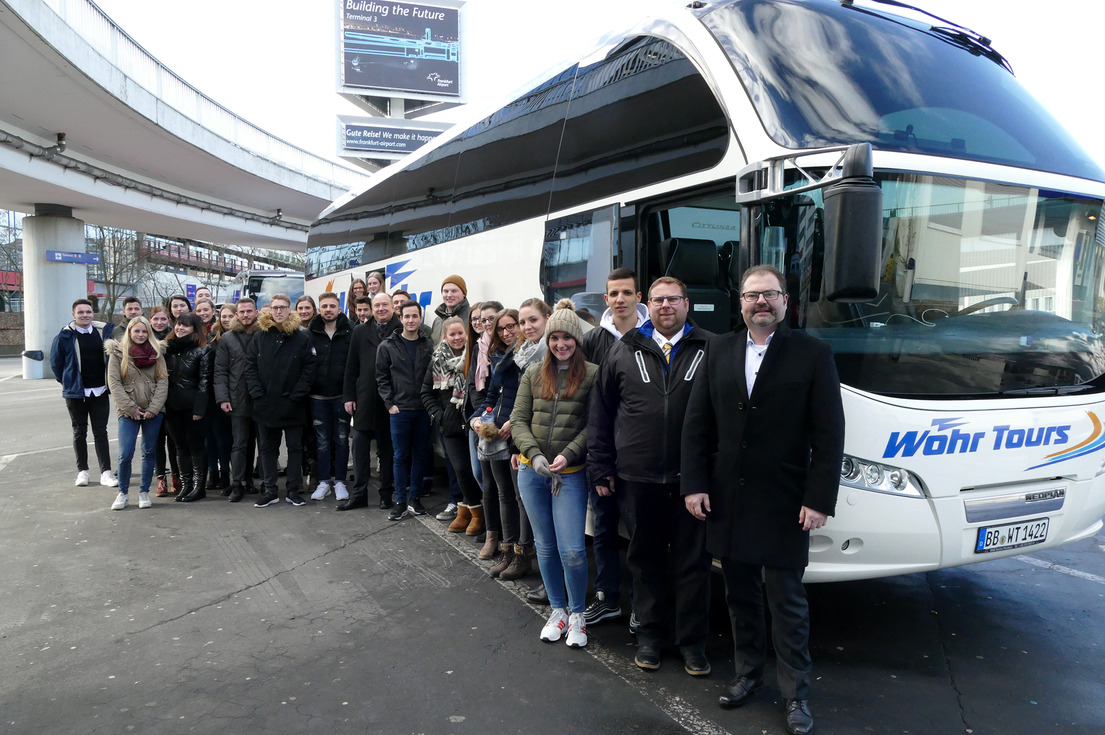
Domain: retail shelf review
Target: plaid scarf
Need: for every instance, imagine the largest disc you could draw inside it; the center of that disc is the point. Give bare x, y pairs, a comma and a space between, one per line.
448, 372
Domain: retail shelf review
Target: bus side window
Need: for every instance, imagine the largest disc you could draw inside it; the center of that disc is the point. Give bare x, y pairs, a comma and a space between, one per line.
577, 256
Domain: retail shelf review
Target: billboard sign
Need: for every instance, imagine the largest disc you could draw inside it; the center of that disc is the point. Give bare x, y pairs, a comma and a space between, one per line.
395, 46
381, 135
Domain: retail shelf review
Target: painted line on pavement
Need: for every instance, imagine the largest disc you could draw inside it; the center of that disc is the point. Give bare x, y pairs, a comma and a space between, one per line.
8, 458
1061, 569
685, 714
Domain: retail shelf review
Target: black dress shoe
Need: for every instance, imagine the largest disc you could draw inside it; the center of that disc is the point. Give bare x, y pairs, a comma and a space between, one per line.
648, 657
799, 719
695, 662
351, 502
538, 595
739, 691
236, 494
386, 503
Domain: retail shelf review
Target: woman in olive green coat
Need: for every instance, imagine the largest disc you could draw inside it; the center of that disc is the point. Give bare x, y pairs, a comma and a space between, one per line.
549, 427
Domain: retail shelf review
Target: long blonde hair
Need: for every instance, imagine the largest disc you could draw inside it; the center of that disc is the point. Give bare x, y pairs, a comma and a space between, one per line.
159, 371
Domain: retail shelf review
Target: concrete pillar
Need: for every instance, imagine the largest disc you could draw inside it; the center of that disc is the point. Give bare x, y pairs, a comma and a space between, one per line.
49, 288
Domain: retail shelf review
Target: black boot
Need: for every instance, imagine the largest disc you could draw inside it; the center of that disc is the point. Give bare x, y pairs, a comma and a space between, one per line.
187, 486
236, 493
199, 492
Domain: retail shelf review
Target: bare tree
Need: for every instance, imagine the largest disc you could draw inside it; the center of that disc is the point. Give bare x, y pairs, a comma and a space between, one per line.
122, 262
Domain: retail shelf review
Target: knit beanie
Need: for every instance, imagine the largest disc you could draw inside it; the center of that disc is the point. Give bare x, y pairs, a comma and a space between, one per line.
456, 281
564, 319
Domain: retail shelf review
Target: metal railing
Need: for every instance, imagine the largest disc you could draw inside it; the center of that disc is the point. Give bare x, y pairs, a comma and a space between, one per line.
112, 42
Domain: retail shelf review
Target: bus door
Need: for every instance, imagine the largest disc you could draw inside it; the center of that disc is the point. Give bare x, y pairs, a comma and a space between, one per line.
695, 238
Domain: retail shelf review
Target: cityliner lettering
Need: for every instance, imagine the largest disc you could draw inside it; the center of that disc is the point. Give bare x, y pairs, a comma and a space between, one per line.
947, 438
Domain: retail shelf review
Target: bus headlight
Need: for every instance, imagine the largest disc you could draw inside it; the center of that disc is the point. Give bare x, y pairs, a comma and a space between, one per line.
879, 478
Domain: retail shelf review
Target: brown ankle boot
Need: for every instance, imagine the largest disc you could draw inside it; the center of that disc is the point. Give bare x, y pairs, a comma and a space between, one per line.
490, 546
500, 566
464, 517
475, 526
519, 565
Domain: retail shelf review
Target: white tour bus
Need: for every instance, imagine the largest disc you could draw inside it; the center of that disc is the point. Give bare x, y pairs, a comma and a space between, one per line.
936, 227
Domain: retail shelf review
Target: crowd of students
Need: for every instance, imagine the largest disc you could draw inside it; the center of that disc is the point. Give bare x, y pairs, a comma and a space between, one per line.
541, 413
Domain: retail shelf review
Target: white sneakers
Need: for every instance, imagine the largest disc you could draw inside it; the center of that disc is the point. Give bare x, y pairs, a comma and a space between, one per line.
322, 491
555, 626
107, 479
82, 479
577, 631
120, 502
340, 493
560, 622
144, 500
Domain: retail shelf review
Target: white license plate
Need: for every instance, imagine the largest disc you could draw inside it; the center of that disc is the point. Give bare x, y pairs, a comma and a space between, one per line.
1011, 535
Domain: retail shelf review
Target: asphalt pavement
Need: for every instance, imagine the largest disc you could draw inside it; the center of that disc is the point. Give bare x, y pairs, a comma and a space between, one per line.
219, 618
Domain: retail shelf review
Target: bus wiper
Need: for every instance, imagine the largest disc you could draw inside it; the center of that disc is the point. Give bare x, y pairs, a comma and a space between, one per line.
1047, 390
974, 43
950, 32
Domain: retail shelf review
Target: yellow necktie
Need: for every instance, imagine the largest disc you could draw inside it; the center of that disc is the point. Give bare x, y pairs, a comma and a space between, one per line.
667, 353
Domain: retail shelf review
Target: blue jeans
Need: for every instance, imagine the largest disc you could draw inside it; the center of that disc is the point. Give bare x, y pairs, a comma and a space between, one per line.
331, 424
128, 437
410, 441
559, 529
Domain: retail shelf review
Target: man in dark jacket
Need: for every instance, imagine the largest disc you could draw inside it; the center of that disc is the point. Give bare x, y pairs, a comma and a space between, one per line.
401, 364
763, 440
633, 433
232, 394
331, 335
624, 312
280, 368
77, 359
363, 403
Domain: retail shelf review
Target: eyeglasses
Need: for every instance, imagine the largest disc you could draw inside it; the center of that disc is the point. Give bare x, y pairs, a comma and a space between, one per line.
661, 300
753, 296
507, 327
274, 307
485, 320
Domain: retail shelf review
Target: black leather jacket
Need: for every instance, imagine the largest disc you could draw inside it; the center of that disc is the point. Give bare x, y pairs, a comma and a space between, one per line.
189, 370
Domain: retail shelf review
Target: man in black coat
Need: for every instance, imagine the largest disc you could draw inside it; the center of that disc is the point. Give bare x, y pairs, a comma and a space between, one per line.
633, 442
232, 394
401, 364
763, 441
280, 367
331, 334
363, 403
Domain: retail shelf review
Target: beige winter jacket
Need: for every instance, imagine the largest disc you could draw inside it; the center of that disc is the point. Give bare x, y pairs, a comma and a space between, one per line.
140, 389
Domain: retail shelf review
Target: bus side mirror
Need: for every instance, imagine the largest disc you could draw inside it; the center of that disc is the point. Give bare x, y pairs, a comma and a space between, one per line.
853, 230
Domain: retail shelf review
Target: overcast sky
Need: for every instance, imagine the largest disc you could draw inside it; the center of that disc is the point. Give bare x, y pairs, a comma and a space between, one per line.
275, 63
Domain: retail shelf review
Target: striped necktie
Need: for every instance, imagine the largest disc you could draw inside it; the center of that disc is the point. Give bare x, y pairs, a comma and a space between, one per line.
667, 353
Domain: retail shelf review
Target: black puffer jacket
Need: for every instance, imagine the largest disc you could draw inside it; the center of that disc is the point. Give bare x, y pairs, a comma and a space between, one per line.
331, 355
279, 370
189, 367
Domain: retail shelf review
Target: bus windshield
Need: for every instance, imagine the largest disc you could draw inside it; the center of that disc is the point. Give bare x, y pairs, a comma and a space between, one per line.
821, 75
987, 289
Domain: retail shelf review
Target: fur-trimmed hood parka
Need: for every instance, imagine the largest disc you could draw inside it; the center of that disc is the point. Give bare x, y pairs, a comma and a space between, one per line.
280, 367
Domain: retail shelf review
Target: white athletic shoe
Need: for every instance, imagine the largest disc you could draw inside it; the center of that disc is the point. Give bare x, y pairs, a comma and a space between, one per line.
82, 479
322, 491
120, 502
108, 479
340, 493
556, 625
144, 500
577, 631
